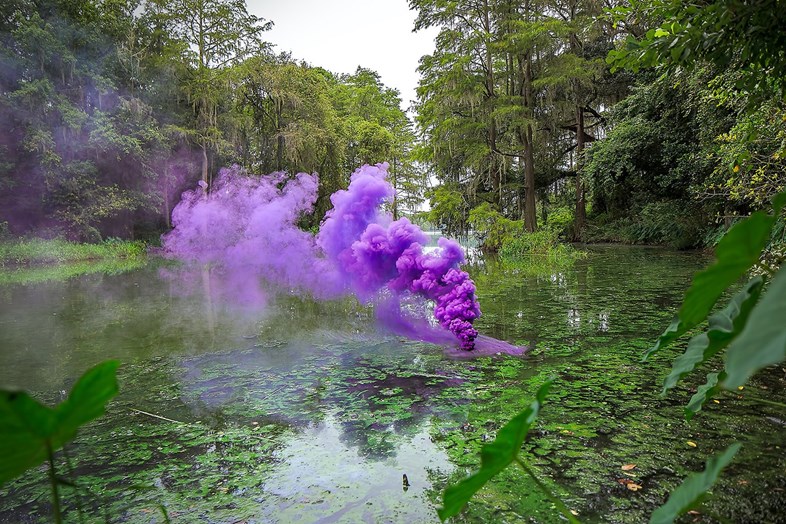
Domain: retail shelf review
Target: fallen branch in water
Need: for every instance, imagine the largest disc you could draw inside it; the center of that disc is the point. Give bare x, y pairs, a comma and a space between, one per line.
157, 416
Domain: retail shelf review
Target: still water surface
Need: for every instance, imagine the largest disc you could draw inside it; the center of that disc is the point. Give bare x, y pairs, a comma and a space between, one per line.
298, 411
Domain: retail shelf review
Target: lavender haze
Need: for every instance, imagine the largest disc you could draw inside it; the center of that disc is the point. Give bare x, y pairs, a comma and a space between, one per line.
247, 225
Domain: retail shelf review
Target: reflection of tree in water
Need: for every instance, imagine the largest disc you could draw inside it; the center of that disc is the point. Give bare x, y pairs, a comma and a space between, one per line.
375, 397
392, 407
605, 294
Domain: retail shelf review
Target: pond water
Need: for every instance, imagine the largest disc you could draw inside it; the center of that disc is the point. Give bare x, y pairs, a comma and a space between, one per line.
299, 411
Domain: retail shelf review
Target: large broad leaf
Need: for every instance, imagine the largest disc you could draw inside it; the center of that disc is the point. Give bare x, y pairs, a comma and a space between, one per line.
723, 327
24, 426
494, 457
763, 341
704, 393
691, 492
30, 430
737, 251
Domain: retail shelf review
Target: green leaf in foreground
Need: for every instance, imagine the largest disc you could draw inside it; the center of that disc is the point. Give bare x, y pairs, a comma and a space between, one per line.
737, 251
763, 341
28, 429
691, 492
704, 392
723, 327
494, 457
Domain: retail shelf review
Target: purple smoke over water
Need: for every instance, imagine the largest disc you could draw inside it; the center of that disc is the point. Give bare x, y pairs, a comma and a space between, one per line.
247, 225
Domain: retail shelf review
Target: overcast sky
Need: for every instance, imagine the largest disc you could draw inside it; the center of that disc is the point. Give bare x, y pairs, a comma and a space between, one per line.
341, 35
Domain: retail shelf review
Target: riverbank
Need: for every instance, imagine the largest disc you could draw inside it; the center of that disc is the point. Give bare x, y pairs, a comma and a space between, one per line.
33, 260
37, 251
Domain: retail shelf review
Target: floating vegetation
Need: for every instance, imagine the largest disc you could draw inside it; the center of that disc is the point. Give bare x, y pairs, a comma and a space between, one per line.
302, 411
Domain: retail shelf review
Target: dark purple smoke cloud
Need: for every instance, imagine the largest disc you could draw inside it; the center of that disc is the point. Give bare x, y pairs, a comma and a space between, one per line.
247, 225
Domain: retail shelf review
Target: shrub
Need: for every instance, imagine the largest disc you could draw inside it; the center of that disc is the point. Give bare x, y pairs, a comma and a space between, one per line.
541, 245
40, 251
674, 223
560, 221
491, 228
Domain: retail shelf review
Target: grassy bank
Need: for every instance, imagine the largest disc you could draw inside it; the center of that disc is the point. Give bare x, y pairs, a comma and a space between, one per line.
539, 252
33, 260
36, 251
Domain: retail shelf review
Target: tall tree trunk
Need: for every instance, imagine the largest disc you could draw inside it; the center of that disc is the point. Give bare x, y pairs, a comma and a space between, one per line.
167, 211
395, 190
530, 217
280, 141
580, 217
525, 133
581, 206
494, 171
205, 169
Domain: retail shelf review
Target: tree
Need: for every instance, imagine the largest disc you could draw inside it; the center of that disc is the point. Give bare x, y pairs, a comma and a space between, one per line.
378, 130
217, 34
292, 124
507, 85
709, 120
745, 35
79, 149
458, 94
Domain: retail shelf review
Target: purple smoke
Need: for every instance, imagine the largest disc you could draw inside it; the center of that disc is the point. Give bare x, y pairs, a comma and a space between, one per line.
247, 225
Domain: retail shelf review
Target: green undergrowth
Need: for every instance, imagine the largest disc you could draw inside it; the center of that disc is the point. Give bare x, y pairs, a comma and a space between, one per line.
34, 260
67, 270
541, 249
664, 223
31, 251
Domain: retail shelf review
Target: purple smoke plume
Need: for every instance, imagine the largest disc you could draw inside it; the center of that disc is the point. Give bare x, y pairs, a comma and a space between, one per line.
247, 225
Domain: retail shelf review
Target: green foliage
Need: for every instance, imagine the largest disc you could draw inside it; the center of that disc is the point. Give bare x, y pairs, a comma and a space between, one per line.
728, 33
495, 457
293, 117
763, 341
448, 210
535, 247
496, 96
657, 158
218, 31
33, 274
85, 156
39, 251
736, 253
667, 223
114, 123
724, 326
491, 229
703, 394
620, 163
82, 201
560, 221
674, 223
711, 123
750, 157
693, 490
30, 432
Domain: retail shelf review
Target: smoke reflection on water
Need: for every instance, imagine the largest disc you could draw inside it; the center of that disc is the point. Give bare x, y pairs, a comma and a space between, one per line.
248, 227
354, 401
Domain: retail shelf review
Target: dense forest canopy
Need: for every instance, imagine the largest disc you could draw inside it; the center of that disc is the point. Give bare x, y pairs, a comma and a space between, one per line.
112, 107
536, 114
529, 115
